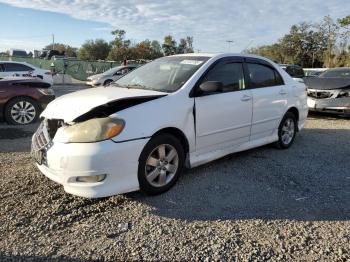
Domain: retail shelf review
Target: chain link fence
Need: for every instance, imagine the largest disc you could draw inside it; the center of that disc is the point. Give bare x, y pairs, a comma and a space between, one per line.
77, 69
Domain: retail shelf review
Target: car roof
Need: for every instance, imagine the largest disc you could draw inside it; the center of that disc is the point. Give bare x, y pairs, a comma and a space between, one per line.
222, 55
16, 62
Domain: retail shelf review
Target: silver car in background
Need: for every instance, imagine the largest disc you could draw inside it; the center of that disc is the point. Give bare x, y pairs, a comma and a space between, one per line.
330, 91
109, 76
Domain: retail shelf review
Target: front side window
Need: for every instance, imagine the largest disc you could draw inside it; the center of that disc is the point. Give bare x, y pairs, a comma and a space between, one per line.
167, 74
263, 76
13, 67
230, 74
2, 68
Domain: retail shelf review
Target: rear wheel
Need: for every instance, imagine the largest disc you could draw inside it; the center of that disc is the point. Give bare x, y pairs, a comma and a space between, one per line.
21, 111
287, 131
160, 164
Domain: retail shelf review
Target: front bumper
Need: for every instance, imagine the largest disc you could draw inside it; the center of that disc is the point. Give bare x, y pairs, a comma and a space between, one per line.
119, 161
331, 105
92, 83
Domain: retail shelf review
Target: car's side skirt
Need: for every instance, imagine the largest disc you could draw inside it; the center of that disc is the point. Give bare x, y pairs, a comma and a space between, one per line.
196, 160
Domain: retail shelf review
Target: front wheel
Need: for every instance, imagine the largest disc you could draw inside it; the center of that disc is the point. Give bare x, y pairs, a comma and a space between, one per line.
160, 164
287, 131
107, 82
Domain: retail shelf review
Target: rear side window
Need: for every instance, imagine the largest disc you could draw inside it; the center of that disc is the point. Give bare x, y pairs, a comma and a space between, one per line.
263, 76
12, 67
230, 74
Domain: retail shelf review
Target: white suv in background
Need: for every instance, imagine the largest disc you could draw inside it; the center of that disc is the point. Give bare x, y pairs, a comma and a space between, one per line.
13, 69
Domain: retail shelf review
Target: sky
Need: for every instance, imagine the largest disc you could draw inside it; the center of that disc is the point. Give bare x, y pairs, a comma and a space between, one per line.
29, 24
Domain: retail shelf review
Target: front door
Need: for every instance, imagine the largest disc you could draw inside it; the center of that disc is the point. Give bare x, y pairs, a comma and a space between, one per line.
223, 118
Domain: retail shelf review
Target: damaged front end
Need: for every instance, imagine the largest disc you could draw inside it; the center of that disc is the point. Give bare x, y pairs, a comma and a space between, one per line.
94, 125
330, 95
330, 101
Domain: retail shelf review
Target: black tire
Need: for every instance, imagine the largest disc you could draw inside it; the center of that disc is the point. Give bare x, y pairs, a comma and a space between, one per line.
150, 148
107, 82
31, 117
281, 143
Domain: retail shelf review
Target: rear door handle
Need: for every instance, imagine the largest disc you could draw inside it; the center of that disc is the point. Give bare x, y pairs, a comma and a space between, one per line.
282, 92
246, 98
1, 91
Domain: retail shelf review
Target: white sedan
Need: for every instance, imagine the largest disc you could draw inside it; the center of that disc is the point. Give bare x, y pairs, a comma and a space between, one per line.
23, 69
182, 110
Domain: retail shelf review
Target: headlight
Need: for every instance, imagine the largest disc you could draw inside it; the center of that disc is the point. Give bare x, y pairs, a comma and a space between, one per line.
93, 130
46, 91
344, 93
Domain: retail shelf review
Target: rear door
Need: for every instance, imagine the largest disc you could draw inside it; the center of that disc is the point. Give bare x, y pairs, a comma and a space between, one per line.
223, 118
269, 97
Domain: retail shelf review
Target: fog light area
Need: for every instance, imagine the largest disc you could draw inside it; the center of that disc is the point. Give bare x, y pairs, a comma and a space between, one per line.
90, 179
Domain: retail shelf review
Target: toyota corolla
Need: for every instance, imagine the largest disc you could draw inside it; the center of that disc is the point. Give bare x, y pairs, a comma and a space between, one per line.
177, 111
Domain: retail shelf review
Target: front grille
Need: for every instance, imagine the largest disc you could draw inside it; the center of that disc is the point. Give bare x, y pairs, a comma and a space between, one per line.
41, 142
41, 137
319, 94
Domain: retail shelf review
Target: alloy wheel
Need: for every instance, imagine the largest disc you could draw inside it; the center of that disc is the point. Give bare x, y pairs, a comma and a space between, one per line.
23, 112
288, 130
161, 165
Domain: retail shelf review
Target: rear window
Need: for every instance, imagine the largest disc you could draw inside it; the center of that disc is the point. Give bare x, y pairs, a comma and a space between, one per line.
263, 76
336, 73
13, 67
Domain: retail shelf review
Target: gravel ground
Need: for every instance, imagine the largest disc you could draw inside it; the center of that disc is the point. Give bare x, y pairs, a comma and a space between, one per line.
262, 204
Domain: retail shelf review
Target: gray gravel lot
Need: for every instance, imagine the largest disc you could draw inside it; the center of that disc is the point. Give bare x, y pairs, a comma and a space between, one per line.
262, 204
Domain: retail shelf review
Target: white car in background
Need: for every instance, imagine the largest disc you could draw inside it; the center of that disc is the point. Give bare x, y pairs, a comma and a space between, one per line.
109, 76
182, 110
23, 69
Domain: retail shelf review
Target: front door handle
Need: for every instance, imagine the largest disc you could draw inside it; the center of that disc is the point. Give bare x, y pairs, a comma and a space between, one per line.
2, 91
246, 98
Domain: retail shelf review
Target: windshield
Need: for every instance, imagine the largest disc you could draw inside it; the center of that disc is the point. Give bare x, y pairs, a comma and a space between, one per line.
165, 74
336, 73
111, 71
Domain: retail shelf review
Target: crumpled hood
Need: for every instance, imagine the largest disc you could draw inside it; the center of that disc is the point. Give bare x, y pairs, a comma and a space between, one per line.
327, 83
69, 107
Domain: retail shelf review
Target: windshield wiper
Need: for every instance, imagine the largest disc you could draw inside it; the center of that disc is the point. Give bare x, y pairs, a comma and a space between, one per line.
136, 86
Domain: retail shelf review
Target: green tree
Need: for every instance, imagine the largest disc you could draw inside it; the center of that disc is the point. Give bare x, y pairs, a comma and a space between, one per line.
119, 39
67, 50
169, 45
94, 50
329, 29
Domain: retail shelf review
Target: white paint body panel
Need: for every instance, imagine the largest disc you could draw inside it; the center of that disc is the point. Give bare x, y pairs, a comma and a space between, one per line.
222, 124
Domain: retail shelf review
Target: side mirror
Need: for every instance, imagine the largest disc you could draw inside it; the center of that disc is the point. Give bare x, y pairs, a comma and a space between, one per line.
211, 86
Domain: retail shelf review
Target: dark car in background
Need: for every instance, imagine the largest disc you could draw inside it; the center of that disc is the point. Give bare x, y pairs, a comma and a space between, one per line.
22, 99
330, 91
295, 71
